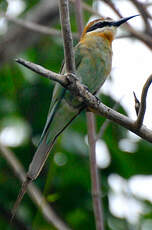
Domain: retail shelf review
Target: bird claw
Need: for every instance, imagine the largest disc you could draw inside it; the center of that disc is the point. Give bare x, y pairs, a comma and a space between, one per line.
72, 75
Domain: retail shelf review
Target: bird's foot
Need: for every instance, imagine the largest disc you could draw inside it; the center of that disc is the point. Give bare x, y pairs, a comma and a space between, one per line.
72, 77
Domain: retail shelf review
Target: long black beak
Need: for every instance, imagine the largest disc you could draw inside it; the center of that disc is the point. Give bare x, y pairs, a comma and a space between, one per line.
123, 20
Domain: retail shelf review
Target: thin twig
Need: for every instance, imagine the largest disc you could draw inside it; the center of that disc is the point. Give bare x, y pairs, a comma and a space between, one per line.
67, 36
36, 27
91, 101
96, 193
142, 108
34, 192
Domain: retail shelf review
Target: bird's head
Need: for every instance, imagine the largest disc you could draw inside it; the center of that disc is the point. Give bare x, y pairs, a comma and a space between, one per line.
104, 27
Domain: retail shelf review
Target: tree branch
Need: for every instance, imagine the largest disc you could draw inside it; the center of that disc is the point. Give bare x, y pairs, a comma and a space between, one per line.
142, 107
35, 26
96, 192
33, 191
67, 36
91, 101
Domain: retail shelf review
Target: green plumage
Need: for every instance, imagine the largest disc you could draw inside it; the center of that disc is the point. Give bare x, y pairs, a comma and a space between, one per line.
93, 64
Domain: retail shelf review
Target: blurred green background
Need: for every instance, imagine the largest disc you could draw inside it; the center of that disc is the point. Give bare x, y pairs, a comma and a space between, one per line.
65, 179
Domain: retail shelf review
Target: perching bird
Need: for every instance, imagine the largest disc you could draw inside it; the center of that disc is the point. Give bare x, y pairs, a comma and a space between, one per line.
93, 58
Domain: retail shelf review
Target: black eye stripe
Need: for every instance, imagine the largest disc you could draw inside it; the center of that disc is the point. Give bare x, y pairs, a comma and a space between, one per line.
99, 25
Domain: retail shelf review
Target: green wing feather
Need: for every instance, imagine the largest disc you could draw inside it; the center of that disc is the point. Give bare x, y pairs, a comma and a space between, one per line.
58, 94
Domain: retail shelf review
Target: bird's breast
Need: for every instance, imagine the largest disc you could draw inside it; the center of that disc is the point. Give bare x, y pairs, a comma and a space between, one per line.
96, 61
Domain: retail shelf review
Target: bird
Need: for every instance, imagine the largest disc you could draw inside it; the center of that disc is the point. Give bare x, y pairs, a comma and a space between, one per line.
93, 60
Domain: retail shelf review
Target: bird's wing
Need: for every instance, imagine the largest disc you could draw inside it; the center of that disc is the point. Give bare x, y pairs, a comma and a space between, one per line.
58, 93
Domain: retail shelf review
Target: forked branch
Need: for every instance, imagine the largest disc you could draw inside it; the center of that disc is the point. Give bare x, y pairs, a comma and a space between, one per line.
72, 84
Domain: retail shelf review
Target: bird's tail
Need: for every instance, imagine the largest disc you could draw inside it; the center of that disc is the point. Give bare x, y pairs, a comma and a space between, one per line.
38, 162
43, 150
20, 196
35, 167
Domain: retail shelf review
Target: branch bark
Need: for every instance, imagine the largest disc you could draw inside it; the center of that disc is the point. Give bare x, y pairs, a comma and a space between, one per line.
67, 36
96, 192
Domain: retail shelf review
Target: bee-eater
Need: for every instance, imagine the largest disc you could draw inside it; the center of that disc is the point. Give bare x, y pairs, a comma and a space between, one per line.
93, 58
